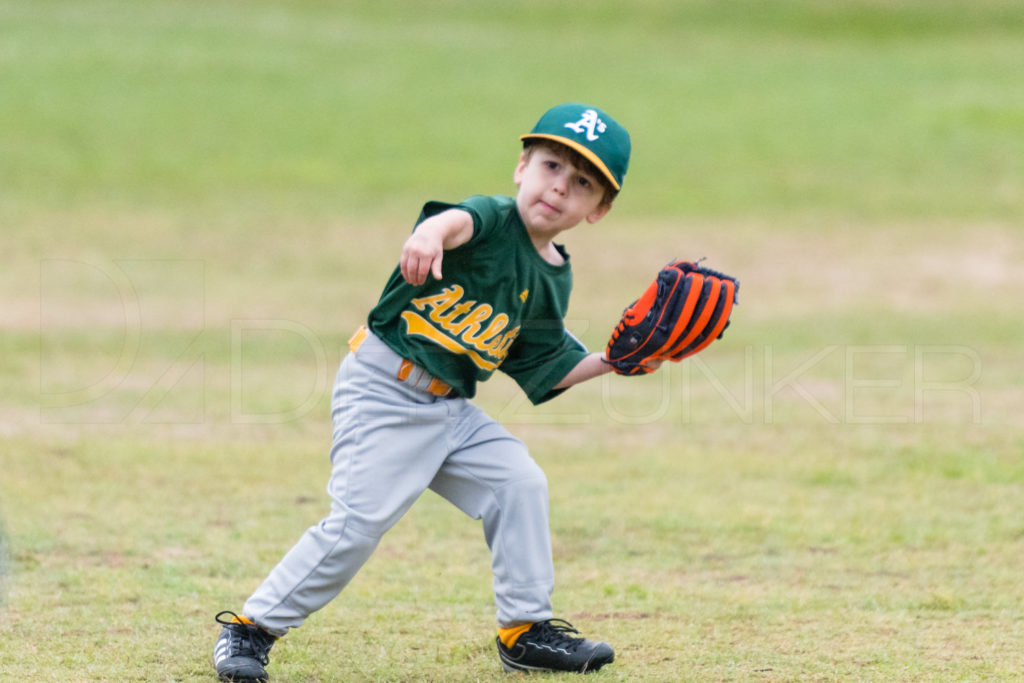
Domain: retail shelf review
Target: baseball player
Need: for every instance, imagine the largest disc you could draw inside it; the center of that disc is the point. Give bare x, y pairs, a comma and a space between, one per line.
480, 286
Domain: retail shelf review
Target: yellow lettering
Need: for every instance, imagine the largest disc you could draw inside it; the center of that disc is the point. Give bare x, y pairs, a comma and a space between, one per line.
470, 325
472, 329
455, 312
440, 302
484, 340
506, 342
421, 327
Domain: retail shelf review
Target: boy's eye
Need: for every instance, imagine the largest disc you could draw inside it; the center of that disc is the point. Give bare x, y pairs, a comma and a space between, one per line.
583, 182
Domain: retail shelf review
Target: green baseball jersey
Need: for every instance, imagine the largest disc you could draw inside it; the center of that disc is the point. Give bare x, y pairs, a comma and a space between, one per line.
499, 305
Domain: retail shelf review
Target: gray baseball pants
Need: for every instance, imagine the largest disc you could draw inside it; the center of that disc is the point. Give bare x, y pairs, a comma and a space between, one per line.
392, 441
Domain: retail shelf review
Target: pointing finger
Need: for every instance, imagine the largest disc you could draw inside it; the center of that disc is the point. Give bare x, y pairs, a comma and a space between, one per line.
435, 267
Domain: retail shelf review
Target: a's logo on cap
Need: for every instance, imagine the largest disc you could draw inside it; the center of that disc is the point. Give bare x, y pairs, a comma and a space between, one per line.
589, 122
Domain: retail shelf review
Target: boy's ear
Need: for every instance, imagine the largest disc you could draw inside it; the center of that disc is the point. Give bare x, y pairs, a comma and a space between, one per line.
600, 212
517, 175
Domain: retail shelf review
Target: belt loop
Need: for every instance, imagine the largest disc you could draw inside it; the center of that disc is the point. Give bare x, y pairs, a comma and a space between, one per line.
408, 372
405, 369
357, 339
439, 388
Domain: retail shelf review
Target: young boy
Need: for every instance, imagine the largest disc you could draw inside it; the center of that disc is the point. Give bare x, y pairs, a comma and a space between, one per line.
481, 286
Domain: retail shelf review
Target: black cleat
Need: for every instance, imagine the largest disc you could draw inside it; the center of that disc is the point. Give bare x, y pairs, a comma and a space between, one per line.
548, 646
242, 650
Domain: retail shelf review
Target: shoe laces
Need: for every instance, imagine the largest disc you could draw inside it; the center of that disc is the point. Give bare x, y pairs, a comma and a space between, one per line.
557, 632
248, 640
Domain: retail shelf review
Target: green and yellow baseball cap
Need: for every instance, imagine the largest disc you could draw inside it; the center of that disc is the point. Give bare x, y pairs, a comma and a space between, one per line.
592, 133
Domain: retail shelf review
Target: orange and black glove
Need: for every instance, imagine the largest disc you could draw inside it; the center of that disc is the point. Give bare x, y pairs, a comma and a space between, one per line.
686, 308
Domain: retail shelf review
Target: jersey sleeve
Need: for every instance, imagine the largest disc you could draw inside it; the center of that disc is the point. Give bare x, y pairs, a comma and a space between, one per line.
541, 357
485, 211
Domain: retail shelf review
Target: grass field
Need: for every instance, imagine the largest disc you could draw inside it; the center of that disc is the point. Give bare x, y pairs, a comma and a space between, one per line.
200, 201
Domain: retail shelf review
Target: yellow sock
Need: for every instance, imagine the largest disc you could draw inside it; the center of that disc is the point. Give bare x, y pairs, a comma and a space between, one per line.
509, 636
238, 619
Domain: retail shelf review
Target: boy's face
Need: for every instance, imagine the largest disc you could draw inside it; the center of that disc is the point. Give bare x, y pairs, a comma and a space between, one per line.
554, 195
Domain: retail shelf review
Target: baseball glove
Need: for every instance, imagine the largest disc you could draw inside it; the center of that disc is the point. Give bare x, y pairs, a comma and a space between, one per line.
681, 312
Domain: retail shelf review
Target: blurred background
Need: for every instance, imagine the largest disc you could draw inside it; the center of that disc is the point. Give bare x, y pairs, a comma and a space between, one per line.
214, 162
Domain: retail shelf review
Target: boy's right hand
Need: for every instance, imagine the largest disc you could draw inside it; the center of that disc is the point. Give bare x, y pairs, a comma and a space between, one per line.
424, 250
422, 254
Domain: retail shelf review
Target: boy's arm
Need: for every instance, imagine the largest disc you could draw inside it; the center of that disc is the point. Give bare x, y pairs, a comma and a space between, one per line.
593, 365
424, 250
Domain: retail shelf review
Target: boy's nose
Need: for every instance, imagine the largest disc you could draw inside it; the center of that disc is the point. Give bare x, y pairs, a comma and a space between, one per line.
561, 183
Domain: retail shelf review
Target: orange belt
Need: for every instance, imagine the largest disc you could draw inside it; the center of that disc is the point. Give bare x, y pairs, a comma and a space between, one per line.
436, 387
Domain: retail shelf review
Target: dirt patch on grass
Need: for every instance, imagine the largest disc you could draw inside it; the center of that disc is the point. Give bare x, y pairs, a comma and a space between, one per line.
910, 267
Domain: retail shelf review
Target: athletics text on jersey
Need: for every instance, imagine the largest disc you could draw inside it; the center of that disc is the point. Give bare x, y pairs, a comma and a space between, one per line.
463, 327
499, 305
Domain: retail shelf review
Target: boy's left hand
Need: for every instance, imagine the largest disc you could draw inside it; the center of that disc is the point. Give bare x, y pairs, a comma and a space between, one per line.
681, 312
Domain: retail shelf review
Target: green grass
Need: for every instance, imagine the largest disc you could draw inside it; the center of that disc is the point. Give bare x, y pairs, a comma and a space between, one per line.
200, 201
740, 108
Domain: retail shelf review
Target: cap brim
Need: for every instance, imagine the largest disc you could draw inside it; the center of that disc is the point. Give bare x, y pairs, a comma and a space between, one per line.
587, 154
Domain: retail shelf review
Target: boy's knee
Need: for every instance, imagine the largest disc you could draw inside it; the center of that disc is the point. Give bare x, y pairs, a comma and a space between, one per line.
530, 487
359, 530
